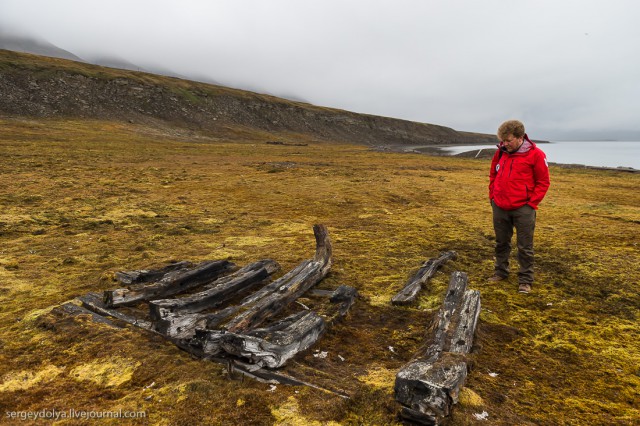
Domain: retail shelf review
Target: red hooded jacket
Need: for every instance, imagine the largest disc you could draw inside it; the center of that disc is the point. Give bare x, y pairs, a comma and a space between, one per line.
518, 178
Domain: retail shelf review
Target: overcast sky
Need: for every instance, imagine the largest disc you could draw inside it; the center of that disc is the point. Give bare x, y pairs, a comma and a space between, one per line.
566, 68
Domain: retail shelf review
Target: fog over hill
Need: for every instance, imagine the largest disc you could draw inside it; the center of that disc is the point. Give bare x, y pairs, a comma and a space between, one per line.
24, 44
37, 86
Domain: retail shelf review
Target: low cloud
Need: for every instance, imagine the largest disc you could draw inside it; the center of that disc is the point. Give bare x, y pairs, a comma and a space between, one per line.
565, 68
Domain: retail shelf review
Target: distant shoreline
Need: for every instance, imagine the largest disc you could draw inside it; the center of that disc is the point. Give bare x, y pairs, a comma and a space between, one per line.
484, 153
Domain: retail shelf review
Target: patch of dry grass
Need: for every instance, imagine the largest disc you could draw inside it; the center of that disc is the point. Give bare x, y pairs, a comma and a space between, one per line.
82, 199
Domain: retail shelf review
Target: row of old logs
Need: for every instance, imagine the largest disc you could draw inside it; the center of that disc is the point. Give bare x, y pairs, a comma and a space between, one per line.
229, 313
428, 386
234, 315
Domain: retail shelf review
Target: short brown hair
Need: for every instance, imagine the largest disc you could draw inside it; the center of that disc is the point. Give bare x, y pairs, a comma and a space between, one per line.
511, 127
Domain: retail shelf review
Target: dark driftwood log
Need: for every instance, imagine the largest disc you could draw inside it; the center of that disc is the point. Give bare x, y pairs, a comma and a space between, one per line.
149, 275
410, 291
220, 291
172, 283
93, 302
429, 386
287, 289
344, 297
71, 309
183, 326
273, 346
457, 319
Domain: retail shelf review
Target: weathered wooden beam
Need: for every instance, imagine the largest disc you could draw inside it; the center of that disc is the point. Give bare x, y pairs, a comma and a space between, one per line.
272, 347
149, 275
289, 289
220, 291
93, 302
172, 283
410, 291
204, 343
275, 285
344, 297
71, 309
456, 320
184, 326
429, 386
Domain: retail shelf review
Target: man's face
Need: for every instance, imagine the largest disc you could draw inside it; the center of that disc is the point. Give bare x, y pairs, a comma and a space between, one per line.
511, 143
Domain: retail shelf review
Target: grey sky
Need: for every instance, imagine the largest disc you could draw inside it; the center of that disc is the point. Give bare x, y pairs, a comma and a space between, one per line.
566, 68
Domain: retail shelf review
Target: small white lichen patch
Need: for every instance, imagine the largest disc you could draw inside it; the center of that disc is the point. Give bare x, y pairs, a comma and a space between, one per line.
481, 416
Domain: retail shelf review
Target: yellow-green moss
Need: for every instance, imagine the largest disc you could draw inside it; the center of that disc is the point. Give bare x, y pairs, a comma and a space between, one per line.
108, 372
469, 398
288, 414
26, 379
83, 199
379, 377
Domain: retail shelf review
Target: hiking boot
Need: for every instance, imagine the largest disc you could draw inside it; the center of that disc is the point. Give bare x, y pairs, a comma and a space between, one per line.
524, 288
495, 278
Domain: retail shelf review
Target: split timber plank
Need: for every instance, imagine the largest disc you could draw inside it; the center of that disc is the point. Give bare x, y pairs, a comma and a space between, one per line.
344, 297
148, 275
183, 326
172, 283
93, 302
289, 290
71, 309
220, 291
456, 320
410, 291
429, 386
275, 285
274, 346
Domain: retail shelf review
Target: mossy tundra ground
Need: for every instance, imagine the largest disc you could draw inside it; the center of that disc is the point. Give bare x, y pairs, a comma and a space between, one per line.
83, 199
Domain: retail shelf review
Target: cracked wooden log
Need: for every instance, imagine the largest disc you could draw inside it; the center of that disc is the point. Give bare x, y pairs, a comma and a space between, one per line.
93, 302
220, 291
148, 275
172, 283
272, 346
71, 309
344, 297
410, 291
288, 288
429, 386
184, 326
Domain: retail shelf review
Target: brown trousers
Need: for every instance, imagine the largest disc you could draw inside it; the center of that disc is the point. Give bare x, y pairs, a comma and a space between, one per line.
524, 222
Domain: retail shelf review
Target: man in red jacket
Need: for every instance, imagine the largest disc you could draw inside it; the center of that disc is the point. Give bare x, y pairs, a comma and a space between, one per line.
518, 181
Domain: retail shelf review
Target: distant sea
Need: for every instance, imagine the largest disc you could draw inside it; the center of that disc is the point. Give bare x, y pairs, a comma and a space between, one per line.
589, 153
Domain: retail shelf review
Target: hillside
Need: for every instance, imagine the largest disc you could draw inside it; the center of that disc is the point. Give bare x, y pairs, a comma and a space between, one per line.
42, 87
